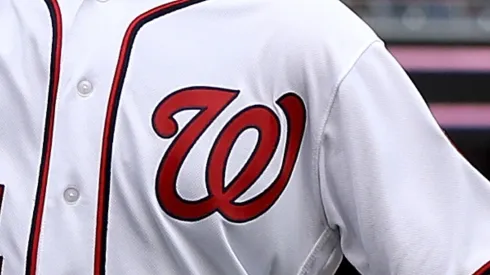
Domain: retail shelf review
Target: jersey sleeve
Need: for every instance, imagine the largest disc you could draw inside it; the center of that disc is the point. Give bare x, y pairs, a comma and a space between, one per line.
402, 198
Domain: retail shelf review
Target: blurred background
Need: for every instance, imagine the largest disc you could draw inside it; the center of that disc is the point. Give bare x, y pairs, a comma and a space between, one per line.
444, 45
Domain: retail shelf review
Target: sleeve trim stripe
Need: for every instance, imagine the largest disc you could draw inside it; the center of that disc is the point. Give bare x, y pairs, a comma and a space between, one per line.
484, 270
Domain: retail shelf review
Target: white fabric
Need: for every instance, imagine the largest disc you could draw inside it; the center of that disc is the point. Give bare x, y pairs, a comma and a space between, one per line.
377, 180
403, 198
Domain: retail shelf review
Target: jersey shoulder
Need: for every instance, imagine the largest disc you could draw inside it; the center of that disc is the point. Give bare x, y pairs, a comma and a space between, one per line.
329, 23
323, 34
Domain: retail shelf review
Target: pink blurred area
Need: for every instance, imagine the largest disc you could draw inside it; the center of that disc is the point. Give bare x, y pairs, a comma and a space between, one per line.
443, 58
446, 59
462, 115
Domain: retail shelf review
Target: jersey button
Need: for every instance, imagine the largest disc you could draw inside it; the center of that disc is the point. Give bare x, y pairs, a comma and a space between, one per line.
71, 195
85, 88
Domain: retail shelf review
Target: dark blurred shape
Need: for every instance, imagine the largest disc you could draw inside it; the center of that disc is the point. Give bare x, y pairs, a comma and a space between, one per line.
431, 9
427, 21
346, 269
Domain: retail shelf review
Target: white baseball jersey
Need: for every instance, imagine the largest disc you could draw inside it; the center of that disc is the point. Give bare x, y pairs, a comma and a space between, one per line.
218, 137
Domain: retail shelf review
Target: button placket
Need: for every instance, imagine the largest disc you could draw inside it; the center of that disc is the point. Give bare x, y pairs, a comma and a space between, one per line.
71, 195
85, 88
